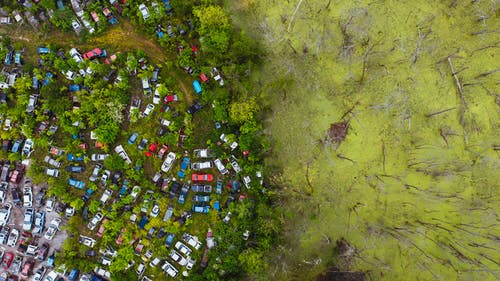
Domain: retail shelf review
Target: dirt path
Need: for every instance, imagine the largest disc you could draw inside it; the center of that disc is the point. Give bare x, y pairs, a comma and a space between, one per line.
184, 88
125, 38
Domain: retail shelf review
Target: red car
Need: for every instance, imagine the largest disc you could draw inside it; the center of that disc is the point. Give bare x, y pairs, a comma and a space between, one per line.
170, 98
202, 177
7, 260
95, 53
27, 269
203, 78
119, 239
100, 232
152, 149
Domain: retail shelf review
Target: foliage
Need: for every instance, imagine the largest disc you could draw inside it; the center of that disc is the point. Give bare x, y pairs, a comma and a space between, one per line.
404, 186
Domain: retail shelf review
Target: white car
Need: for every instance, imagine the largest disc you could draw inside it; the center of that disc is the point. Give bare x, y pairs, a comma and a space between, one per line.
135, 191
224, 138
39, 274
191, 240
155, 211
70, 75
149, 108
119, 149
28, 219
190, 263
76, 55
13, 236
156, 95
52, 172
169, 161
234, 164
144, 11
53, 227
105, 177
7, 124
222, 169
169, 269
27, 148
203, 153
140, 269
76, 25
94, 221
98, 157
95, 173
154, 262
5, 214
52, 162
39, 223
183, 248
202, 165
49, 205
27, 197
105, 196
87, 241
52, 276
175, 256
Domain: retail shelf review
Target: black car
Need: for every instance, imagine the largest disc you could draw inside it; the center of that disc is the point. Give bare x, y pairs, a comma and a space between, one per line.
174, 189
161, 233
116, 177
142, 144
39, 198
194, 108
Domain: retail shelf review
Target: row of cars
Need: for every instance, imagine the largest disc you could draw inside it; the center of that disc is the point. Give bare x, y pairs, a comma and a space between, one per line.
180, 255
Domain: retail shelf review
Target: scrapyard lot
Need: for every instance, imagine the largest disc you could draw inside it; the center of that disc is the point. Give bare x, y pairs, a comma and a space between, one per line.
16, 222
108, 94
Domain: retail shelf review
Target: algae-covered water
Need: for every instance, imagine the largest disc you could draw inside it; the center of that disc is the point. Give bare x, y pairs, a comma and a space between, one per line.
414, 189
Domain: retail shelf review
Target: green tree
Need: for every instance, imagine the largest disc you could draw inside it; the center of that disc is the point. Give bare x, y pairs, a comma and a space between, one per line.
243, 110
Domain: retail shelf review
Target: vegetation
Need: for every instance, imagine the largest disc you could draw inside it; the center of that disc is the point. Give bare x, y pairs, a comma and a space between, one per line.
411, 193
95, 118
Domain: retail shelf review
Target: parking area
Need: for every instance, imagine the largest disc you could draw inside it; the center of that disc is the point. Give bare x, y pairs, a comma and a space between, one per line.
27, 238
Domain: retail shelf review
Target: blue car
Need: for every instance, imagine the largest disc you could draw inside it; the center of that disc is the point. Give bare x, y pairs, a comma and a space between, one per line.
124, 189
142, 223
17, 58
197, 86
8, 58
185, 163
218, 188
48, 78
74, 88
16, 146
43, 50
184, 193
87, 195
72, 157
76, 183
35, 84
201, 209
169, 240
73, 275
133, 138
217, 206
